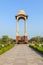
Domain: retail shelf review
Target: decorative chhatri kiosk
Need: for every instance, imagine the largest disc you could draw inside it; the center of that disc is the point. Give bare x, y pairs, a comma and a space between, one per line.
21, 15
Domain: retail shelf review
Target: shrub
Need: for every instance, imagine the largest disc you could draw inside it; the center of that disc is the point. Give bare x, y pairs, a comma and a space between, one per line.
2, 50
39, 49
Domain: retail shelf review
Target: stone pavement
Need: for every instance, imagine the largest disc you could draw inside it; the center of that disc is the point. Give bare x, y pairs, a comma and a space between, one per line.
21, 54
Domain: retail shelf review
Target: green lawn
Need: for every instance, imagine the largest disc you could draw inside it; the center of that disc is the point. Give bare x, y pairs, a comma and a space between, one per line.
6, 48
36, 47
6, 43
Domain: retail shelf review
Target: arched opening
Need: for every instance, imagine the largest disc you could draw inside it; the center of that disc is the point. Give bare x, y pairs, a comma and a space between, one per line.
21, 27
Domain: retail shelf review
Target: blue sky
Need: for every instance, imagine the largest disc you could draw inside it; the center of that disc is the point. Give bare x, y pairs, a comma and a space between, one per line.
8, 10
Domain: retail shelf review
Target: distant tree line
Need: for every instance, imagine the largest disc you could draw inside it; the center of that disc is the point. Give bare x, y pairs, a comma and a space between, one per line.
6, 39
36, 39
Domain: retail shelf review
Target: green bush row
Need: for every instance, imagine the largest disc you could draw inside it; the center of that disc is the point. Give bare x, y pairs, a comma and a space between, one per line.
6, 48
39, 49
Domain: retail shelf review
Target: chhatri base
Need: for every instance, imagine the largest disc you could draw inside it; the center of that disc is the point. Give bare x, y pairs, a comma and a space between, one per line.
23, 39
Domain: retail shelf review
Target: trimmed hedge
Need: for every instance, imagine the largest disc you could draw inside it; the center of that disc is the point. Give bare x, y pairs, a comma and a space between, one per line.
2, 50
39, 49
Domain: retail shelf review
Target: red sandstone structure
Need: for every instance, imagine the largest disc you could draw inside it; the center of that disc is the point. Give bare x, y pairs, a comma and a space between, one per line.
21, 15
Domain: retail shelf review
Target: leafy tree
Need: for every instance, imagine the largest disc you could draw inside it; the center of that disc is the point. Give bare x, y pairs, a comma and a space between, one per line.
0, 40
5, 39
41, 39
37, 39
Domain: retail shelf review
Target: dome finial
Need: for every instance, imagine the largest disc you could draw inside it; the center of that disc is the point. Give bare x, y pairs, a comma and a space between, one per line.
21, 12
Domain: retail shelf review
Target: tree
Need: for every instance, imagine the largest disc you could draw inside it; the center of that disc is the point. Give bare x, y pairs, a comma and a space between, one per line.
5, 39
36, 39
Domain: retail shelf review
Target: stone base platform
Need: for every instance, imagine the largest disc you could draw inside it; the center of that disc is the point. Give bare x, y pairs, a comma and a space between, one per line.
21, 39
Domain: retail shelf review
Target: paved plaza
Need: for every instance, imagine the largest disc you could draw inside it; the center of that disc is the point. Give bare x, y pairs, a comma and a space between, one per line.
21, 54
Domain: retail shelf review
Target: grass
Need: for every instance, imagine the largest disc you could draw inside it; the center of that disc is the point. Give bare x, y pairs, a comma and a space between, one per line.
37, 48
6, 48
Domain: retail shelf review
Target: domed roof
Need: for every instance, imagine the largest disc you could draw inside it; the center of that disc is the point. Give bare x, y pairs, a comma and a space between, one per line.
21, 12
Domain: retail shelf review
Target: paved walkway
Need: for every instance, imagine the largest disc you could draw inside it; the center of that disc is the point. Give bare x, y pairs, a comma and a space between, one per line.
21, 55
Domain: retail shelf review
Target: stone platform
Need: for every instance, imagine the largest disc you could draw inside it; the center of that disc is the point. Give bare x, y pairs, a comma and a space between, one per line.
23, 39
